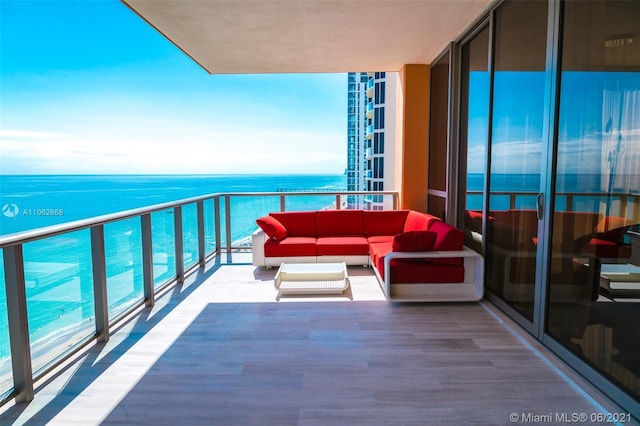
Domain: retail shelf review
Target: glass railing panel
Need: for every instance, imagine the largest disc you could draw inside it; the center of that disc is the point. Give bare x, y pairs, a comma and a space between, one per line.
6, 378
59, 290
244, 212
209, 227
123, 257
190, 234
163, 237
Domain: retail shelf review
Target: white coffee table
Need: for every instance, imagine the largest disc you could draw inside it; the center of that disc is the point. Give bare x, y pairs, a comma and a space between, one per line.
312, 278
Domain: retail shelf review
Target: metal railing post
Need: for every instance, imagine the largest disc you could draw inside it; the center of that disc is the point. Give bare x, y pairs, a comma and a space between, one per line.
227, 217
282, 203
216, 221
569, 206
338, 202
179, 245
200, 215
18, 323
99, 267
147, 260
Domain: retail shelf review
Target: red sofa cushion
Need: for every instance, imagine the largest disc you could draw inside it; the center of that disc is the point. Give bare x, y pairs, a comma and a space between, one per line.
272, 227
417, 221
448, 238
297, 224
378, 251
411, 271
414, 241
346, 246
383, 222
332, 223
290, 246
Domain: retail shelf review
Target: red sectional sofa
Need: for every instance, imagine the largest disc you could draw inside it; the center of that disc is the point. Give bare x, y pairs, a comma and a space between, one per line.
425, 256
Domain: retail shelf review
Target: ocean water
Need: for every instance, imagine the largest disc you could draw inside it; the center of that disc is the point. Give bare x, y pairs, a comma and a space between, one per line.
58, 269
49, 200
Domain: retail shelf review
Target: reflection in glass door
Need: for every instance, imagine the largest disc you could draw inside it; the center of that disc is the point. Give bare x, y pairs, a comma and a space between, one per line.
516, 152
594, 294
474, 122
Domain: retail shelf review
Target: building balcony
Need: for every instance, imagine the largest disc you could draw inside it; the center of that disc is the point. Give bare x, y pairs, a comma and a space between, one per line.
369, 133
188, 331
370, 110
370, 87
368, 154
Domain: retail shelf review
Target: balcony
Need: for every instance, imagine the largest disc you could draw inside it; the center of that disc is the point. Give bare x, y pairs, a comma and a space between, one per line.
203, 337
370, 110
368, 154
370, 87
369, 131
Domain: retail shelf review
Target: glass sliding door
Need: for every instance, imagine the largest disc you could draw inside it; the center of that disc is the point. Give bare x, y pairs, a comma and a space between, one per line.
594, 282
474, 124
515, 152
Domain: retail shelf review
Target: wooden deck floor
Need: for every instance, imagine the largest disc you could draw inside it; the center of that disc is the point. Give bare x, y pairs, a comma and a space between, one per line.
221, 350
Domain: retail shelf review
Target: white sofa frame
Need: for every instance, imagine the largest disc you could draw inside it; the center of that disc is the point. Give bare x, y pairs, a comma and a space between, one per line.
470, 290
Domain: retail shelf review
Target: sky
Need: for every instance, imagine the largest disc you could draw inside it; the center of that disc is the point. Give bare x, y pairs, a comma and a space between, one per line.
87, 87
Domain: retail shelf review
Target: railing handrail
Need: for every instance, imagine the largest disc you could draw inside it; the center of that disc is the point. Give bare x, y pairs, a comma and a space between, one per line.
533, 192
76, 225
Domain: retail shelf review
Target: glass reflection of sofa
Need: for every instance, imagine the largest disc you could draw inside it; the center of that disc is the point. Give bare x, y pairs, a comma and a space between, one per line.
608, 241
574, 273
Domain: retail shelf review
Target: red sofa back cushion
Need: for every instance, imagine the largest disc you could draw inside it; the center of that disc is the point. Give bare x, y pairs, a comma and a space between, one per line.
417, 221
448, 238
297, 224
381, 222
414, 241
339, 223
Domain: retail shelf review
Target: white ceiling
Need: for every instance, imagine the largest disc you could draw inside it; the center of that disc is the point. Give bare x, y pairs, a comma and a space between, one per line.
309, 36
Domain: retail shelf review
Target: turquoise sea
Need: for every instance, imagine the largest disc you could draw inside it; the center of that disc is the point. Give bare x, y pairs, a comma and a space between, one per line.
75, 197
58, 269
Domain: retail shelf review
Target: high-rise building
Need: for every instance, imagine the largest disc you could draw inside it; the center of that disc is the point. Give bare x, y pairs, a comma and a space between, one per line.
356, 142
370, 137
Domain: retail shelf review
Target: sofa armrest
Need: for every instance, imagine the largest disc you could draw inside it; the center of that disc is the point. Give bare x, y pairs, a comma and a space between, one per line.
258, 238
473, 261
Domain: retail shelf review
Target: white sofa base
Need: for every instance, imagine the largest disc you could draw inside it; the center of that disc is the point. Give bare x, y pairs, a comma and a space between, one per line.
470, 290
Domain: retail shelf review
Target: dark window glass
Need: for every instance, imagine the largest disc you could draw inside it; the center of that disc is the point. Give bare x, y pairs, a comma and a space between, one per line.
438, 124
594, 286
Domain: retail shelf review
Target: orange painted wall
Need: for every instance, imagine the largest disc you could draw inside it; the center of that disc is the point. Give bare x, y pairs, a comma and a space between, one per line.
414, 135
